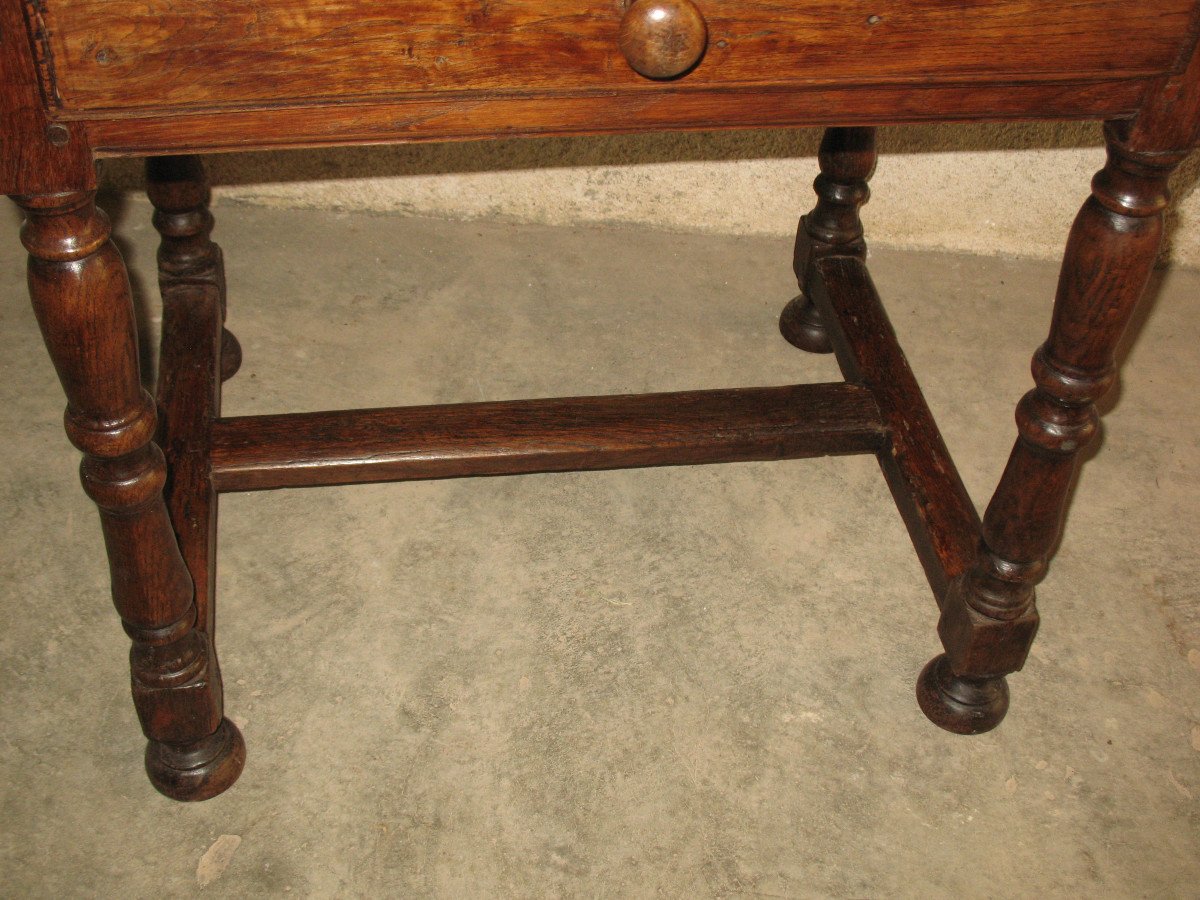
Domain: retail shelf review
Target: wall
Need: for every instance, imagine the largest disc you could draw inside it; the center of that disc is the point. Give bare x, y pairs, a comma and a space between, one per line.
1010, 189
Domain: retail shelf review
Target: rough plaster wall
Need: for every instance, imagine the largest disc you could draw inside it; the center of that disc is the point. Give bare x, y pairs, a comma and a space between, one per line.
992, 189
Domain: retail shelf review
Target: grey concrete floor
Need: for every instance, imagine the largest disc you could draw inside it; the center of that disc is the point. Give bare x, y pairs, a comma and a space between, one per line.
691, 682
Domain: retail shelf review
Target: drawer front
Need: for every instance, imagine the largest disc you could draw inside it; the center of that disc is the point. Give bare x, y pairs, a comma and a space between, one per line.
117, 54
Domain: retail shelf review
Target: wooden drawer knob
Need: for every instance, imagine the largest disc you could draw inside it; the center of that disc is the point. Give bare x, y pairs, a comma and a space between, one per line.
662, 38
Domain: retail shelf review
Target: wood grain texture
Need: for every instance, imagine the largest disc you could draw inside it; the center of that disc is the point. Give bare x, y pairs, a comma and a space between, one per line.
110, 54
191, 279
929, 493
662, 38
37, 155
92, 78
559, 435
81, 296
674, 108
990, 615
1168, 122
847, 159
189, 398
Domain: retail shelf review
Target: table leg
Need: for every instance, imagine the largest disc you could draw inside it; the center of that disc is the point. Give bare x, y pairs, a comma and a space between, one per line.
847, 158
989, 617
178, 188
80, 293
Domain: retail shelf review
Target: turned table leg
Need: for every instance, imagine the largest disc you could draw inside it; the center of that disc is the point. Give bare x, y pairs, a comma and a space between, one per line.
80, 293
989, 617
178, 188
833, 228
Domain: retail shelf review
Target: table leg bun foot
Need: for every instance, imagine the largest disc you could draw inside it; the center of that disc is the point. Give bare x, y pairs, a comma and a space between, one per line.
197, 771
958, 704
231, 355
801, 326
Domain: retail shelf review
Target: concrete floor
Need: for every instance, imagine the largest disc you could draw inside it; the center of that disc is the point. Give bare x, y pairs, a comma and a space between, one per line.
689, 682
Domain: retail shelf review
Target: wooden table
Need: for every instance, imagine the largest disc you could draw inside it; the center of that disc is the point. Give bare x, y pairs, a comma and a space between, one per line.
170, 81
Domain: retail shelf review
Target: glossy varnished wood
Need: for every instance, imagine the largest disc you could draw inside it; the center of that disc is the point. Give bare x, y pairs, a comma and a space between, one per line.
154, 79
673, 106
37, 154
107, 78
571, 434
110, 54
662, 38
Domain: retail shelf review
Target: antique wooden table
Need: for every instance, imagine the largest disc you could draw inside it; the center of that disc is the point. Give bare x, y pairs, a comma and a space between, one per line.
169, 80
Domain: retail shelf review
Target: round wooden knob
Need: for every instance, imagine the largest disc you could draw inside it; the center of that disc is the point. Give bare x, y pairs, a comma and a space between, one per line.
662, 38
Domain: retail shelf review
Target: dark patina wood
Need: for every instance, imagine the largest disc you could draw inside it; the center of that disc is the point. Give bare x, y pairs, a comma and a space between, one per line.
96, 78
196, 355
833, 228
80, 293
989, 618
561, 435
930, 495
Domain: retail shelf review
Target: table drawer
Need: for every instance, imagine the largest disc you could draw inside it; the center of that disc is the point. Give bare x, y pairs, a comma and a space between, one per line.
114, 54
